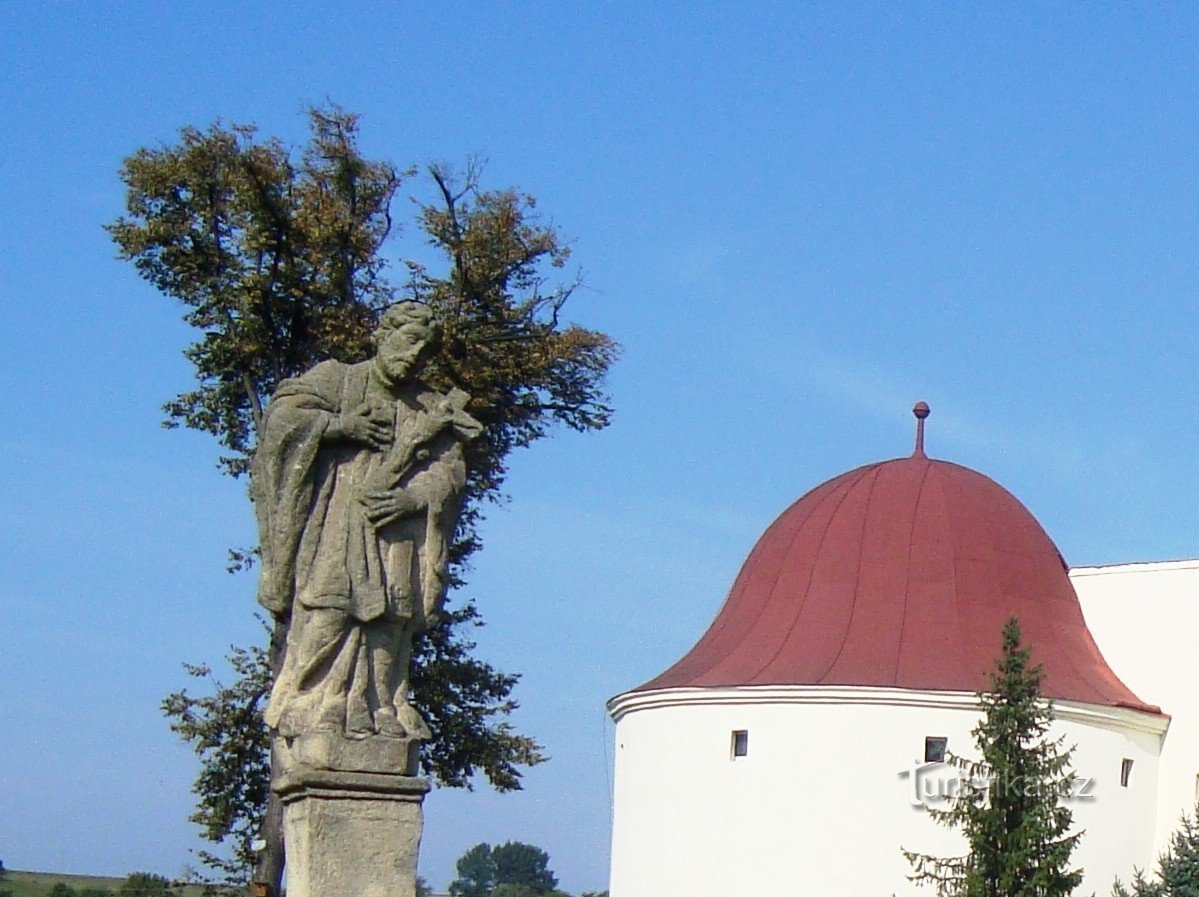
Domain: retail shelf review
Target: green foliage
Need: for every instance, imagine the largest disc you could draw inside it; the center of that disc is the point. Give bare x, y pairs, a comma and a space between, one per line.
525, 865
1177, 868
1009, 806
476, 873
276, 259
504, 341
278, 262
511, 869
514, 890
62, 889
21, 883
462, 697
225, 728
457, 693
146, 884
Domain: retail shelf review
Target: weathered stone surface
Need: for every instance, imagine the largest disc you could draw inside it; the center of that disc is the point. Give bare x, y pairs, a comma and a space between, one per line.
332, 750
358, 484
351, 833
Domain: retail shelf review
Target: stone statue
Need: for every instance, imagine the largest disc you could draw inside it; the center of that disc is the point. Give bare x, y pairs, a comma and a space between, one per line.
358, 483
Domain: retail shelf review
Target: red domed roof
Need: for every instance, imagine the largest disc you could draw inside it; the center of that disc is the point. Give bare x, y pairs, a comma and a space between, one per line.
900, 574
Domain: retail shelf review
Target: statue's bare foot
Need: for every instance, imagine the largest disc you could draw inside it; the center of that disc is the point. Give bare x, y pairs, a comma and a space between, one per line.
360, 724
330, 719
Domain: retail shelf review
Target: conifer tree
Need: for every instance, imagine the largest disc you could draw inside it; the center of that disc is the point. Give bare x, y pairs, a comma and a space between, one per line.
1009, 806
1177, 868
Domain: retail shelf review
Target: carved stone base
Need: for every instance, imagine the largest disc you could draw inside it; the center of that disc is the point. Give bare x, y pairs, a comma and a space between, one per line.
319, 749
351, 833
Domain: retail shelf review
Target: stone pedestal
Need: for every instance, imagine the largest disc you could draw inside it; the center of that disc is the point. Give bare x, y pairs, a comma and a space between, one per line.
350, 832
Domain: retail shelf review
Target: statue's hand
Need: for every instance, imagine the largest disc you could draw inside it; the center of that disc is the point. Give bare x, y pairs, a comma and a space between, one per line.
366, 424
383, 508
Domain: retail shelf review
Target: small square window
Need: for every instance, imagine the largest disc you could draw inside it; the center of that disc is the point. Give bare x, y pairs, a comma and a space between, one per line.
740, 742
934, 749
1125, 772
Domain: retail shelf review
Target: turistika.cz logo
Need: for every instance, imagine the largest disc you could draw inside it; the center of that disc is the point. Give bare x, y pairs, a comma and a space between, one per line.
934, 783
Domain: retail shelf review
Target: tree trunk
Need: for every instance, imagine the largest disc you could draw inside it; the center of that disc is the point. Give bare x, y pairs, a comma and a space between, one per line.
268, 869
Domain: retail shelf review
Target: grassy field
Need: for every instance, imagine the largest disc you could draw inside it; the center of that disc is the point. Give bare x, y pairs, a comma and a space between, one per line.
38, 884
35, 884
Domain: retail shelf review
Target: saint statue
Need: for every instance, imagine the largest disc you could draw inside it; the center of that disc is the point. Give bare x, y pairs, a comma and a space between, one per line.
358, 483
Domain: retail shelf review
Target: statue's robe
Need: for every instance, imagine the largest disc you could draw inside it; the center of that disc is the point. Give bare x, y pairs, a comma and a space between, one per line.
356, 594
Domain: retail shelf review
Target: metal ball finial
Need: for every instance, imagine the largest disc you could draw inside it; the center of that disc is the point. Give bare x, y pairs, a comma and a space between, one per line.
921, 410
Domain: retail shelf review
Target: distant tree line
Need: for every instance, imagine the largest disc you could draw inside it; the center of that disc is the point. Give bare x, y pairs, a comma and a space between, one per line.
136, 884
62, 889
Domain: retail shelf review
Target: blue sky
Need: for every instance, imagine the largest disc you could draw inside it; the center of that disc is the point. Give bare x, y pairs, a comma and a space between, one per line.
797, 219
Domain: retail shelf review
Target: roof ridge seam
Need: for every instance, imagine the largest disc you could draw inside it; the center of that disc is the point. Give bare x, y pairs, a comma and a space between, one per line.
720, 622
907, 579
953, 566
857, 582
873, 468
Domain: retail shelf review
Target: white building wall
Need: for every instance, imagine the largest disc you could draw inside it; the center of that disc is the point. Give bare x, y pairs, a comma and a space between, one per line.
1145, 619
825, 800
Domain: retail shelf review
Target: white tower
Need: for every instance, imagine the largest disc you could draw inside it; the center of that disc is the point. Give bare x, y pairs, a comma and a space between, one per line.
784, 754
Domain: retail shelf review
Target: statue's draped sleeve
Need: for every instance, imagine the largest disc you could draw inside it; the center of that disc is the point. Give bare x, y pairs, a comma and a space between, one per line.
283, 474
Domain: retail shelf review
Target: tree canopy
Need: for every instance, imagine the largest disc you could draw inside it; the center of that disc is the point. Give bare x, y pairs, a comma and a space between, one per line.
1009, 805
524, 865
511, 869
1177, 873
62, 889
476, 873
278, 259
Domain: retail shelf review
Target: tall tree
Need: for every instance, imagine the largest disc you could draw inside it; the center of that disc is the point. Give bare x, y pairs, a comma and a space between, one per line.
511, 869
278, 260
523, 865
1009, 806
1177, 868
476, 873
225, 728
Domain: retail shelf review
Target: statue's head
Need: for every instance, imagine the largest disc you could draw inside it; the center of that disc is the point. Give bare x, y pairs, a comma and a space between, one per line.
406, 337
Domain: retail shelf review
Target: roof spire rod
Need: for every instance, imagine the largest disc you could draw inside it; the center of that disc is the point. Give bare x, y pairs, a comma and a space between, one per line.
920, 409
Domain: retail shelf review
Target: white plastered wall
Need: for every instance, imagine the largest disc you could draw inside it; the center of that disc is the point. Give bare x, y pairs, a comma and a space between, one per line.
1145, 619
821, 804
